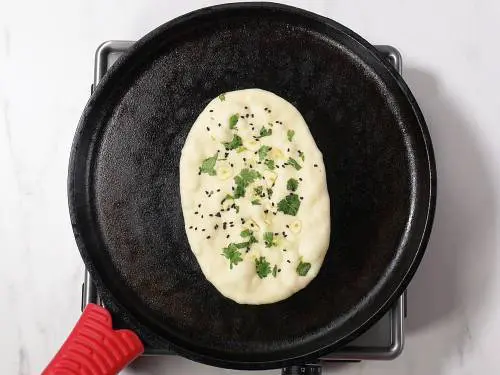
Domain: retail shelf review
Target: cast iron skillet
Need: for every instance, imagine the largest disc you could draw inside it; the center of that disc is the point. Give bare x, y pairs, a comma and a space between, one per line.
124, 182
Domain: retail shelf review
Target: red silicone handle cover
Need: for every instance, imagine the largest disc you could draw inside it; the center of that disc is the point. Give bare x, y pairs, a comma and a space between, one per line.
94, 348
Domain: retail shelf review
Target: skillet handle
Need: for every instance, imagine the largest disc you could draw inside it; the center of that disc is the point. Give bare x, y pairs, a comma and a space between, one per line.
94, 348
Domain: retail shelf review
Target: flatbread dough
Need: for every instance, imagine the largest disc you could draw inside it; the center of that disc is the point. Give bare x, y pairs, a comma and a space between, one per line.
254, 197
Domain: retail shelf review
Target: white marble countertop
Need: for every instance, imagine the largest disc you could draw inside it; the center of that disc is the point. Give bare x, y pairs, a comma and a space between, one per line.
450, 52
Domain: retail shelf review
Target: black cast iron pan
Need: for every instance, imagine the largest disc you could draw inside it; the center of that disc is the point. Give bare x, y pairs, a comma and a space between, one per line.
124, 182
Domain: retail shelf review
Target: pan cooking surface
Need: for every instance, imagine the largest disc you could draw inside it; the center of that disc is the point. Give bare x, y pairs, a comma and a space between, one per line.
124, 181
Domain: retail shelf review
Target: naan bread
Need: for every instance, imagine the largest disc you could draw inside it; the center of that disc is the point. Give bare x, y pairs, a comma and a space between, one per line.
254, 197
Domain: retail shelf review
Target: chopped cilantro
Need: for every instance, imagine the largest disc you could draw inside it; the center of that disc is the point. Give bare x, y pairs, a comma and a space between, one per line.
222, 97
268, 239
263, 150
289, 205
235, 143
269, 164
303, 268
275, 270
290, 134
246, 233
258, 190
232, 254
294, 163
241, 149
245, 178
256, 202
269, 192
262, 267
233, 120
251, 239
301, 155
208, 165
292, 184
265, 132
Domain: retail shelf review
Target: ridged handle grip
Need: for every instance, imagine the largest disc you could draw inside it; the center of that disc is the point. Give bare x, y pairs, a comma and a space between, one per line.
94, 348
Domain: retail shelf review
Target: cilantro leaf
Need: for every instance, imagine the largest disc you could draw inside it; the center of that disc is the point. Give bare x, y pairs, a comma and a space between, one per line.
263, 150
222, 97
265, 132
275, 270
303, 268
245, 178
233, 120
232, 254
301, 155
269, 164
235, 143
292, 184
262, 267
289, 205
246, 233
241, 149
269, 192
256, 202
268, 239
294, 164
290, 134
208, 166
258, 190
247, 244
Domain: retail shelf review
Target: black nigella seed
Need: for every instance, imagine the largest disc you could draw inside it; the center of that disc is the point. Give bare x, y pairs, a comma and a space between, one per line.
279, 269
253, 129
315, 165
196, 212
191, 227
251, 166
251, 224
276, 234
266, 211
231, 222
246, 107
284, 234
199, 205
284, 250
232, 188
253, 115
265, 109
288, 226
300, 178
288, 261
203, 230
277, 166
199, 173
195, 228
274, 213
272, 204
227, 236
218, 190
287, 150
216, 226
206, 192
217, 214
208, 237
202, 216
211, 215
244, 159
232, 165
242, 117
301, 198
211, 110
219, 124
247, 115
224, 225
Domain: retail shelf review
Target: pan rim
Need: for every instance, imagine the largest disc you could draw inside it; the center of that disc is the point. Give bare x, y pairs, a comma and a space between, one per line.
431, 197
